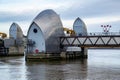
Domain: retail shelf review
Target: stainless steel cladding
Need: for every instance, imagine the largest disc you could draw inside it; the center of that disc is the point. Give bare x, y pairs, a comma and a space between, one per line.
45, 31
79, 27
15, 31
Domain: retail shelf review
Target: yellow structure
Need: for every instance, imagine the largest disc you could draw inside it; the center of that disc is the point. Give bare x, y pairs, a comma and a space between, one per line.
3, 35
69, 31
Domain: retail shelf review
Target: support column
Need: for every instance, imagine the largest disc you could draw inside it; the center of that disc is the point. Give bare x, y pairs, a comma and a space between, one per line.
84, 52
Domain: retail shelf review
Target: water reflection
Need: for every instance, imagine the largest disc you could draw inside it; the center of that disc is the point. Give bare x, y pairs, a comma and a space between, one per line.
12, 68
100, 65
57, 70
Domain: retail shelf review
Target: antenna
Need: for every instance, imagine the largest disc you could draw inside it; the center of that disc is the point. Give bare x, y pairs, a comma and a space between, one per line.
106, 28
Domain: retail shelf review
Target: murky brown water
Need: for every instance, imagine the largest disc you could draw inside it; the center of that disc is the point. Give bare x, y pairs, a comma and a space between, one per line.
101, 65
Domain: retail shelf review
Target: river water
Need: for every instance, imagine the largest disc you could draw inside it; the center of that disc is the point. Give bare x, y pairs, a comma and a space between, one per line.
102, 64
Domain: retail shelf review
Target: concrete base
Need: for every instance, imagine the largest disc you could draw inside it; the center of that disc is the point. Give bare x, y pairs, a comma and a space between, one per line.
72, 55
54, 56
41, 57
11, 54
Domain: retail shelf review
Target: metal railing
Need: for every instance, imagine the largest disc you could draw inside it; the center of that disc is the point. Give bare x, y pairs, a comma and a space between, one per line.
97, 40
103, 33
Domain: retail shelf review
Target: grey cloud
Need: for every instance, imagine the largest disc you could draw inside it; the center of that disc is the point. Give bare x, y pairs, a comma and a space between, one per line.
6, 16
96, 9
100, 8
11, 1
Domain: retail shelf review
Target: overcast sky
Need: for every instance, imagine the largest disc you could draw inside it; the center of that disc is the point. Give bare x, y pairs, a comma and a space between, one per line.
93, 12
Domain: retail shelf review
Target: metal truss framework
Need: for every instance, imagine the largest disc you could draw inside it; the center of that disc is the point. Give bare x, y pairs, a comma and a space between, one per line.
90, 41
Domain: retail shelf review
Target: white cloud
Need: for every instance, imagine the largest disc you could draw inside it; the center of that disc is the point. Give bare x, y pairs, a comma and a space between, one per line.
5, 27
104, 19
68, 23
34, 5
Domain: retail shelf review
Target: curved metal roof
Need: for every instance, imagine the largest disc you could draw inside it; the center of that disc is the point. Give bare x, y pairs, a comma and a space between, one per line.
15, 31
49, 22
51, 27
79, 26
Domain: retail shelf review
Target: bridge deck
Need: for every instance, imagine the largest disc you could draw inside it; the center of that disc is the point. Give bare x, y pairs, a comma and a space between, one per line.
91, 41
